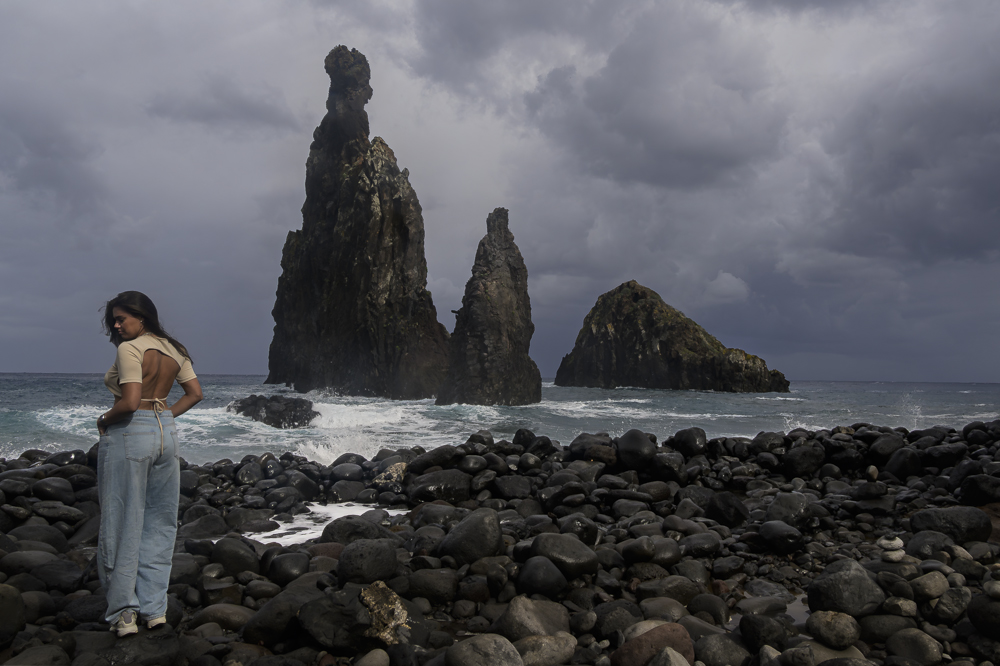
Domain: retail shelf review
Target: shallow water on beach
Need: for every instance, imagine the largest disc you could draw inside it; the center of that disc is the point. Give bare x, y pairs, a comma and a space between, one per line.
57, 412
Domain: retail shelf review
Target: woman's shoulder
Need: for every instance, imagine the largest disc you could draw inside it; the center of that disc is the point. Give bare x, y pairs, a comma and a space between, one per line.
145, 342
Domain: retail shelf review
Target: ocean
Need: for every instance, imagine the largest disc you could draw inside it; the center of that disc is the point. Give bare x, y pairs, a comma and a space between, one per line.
56, 412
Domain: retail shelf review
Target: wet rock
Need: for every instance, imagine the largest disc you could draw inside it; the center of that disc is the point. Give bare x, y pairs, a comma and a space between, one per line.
367, 560
711, 604
802, 461
483, 649
581, 526
539, 575
275, 621
478, 535
55, 489
929, 586
905, 463
42, 655
235, 556
348, 529
675, 587
984, 612
62, 575
572, 557
980, 489
915, 646
91, 608
878, 628
961, 523
439, 586
690, 442
761, 630
845, 587
780, 537
646, 646
489, 361
670, 657
277, 411
720, 650
635, 450
728, 509
24, 561
546, 650
835, 630
206, 527
227, 616
704, 544
356, 264
524, 617
44, 533
924, 544
12, 614
791, 508
450, 485
287, 567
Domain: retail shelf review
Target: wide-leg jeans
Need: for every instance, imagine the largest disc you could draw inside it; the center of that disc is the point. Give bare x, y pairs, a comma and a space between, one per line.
138, 478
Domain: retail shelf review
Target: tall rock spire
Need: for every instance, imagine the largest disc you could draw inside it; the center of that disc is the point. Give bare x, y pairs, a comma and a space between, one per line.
352, 310
489, 348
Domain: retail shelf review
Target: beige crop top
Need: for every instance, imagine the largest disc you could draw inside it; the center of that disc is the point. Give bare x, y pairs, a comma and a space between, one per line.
128, 364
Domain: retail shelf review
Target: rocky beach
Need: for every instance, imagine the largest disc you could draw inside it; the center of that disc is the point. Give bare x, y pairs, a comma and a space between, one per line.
853, 545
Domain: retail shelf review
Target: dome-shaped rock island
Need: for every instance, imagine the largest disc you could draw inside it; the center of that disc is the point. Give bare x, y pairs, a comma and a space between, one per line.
632, 338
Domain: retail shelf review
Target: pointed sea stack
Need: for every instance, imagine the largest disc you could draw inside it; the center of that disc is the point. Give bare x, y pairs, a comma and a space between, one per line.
632, 338
489, 348
352, 311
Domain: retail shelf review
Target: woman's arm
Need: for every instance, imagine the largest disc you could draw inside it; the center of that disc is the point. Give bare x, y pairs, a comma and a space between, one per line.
125, 405
192, 396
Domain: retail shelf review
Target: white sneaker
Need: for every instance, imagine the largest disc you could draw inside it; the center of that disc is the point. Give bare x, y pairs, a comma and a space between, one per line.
126, 623
156, 622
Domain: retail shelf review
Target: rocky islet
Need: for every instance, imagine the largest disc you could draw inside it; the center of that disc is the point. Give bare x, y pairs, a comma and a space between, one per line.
632, 338
352, 311
611, 550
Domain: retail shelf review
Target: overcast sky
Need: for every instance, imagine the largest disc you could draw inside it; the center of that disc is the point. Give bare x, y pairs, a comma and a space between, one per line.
817, 183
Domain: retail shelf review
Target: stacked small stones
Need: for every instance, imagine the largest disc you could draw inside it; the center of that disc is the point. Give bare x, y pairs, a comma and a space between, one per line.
609, 551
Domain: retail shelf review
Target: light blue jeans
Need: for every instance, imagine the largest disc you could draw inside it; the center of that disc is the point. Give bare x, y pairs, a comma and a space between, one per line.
139, 488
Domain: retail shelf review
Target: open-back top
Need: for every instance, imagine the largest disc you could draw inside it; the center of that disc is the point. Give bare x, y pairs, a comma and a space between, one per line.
127, 368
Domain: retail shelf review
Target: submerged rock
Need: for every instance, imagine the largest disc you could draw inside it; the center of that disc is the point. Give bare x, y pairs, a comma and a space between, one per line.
352, 310
276, 410
489, 347
632, 338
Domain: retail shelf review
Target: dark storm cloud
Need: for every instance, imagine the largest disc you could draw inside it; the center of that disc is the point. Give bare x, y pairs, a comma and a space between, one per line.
811, 181
459, 36
47, 162
920, 148
221, 104
677, 105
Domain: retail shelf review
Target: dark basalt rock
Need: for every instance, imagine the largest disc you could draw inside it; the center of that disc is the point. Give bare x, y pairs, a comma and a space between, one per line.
632, 338
489, 347
352, 310
961, 523
277, 411
477, 536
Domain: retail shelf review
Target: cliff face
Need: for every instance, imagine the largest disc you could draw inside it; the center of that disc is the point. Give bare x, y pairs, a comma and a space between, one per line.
352, 310
489, 348
632, 338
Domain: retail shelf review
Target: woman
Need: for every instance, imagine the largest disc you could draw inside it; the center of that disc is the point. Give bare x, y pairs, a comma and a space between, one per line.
138, 471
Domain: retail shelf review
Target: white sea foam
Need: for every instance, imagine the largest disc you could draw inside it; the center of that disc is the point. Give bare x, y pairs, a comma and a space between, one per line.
767, 397
307, 526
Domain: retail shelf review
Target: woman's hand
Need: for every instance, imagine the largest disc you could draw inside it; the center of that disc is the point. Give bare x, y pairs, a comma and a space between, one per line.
100, 424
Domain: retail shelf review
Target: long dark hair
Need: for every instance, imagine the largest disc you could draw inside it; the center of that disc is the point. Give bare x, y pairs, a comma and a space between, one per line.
138, 305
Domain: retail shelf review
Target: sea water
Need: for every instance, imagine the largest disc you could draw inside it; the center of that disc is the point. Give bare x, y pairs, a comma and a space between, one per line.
56, 412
